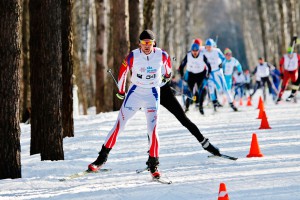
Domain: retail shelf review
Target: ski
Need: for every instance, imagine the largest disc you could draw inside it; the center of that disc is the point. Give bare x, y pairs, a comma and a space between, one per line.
223, 156
142, 170
162, 180
81, 174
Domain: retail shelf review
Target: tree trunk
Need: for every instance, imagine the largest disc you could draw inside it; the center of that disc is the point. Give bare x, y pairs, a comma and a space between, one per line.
283, 25
120, 40
67, 68
25, 87
10, 56
134, 23
100, 68
262, 10
48, 49
148, 14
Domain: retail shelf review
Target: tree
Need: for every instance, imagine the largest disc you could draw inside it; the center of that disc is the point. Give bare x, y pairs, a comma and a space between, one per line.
119, 40
10, 56
67, 68
134, 23
148, 14
25, 74
100, 68
46, 76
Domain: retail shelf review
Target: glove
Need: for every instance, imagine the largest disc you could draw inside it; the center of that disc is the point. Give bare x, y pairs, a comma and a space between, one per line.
281, 75
210, 148
120, 96
165, 77
239, 73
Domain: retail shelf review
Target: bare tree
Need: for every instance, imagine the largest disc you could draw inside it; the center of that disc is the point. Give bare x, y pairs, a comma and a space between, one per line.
10, 56
134, 23
67, 68
100, 67
25, 74
148, 14
46, 84
120, 40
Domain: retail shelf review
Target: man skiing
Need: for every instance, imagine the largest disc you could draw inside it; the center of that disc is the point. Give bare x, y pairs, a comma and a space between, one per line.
228, 65
216, 78
197, 70
262, 70
148, 65
289, 65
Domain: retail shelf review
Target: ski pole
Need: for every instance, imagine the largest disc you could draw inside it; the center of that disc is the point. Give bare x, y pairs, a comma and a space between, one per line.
181, 93
109, 71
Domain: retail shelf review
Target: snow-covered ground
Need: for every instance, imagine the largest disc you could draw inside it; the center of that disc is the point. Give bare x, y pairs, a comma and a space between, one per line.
276, 176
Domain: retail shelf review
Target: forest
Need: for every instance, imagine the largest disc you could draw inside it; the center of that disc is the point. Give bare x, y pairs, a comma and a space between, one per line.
50, 47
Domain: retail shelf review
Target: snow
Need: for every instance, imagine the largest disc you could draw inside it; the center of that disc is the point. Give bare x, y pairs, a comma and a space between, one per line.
275, 176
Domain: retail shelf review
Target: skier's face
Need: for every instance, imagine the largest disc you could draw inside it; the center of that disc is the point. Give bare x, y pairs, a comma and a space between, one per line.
147, 46
228, 56
208, 48
195, 53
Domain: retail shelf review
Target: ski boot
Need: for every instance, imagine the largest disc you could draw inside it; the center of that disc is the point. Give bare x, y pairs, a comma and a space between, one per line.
278, 100
201, 110
210, 148
100, 161
233, 107
290, 98
152, 165
215, 104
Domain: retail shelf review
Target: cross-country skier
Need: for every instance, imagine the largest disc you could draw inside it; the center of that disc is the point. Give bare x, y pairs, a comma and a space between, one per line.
263, 71
289, 65
228, 65
197, 69
216, 78
148, 65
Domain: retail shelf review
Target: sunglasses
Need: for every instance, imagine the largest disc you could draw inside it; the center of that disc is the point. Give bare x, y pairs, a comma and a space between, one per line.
149, 42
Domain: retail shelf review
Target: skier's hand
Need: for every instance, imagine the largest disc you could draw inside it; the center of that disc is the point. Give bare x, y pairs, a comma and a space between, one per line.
165, 77
120, 96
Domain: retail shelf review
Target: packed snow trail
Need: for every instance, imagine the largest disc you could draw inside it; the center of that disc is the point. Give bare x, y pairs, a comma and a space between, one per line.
275, 176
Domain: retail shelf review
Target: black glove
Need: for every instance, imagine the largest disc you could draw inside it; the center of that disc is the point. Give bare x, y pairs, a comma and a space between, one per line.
281, 75
120, 96
239, 73
165, 77
210, 148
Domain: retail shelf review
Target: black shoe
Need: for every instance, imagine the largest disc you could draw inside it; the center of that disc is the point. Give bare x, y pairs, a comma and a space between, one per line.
186, 109
219, 105
278, 100
210, 148
101, 159
153, 167
290, 98
201, 110
215, 104
233, 107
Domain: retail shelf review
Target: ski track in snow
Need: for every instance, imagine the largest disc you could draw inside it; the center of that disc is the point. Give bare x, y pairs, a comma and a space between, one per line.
276, 176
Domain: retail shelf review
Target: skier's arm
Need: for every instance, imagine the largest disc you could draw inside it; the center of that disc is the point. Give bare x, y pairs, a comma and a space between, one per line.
125, 67
238, 66
281, 63
167, 68
182, 65
207, 64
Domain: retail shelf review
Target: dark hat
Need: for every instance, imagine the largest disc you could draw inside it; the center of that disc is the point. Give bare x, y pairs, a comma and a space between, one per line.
147, 34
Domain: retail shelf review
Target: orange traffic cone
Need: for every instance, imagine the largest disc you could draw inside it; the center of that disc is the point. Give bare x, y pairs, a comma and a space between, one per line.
260, 102
241, 101
249, 103
264, 122
260, 114
254, 149
223, 195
